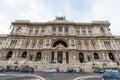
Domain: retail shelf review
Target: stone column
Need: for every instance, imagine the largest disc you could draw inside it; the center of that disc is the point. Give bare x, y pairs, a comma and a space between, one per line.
102, 55
20, 43
57, 30
7, 45
50, 56
34, 56
114, 43
30, 45
64, 57
103, 46
17, 53
18, 56
86, 31
55, 57
90, 46
92, 57
63, 30
116, 56
85, 57
107, 56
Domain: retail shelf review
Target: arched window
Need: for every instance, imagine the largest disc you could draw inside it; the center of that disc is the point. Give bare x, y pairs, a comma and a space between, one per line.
60, 43
24, 55
111, 56
81, 57
18, 29
60, 29
9, 55
102, 31
38, 56
54, 29
66, 30
96, 56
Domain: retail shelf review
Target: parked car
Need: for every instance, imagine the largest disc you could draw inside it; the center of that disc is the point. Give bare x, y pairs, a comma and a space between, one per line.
111, 75
98, 70
26, 69
111, 68
70, 70
2, 69
49, 70
11, 68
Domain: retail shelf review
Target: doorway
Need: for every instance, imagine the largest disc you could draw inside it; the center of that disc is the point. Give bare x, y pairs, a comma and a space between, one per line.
59, 57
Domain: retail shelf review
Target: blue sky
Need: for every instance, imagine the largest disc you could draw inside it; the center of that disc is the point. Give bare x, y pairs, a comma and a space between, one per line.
46, 10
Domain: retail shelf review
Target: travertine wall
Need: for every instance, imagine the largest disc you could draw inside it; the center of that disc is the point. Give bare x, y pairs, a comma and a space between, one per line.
84, 42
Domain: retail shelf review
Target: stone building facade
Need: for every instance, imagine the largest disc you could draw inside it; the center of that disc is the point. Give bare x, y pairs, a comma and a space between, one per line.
61, 42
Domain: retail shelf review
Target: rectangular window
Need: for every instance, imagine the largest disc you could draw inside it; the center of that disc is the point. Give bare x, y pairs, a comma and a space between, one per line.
83, 33
79, 46
13, 43
119, 44
36, 32
26, 45
67, 57
43, 31
90, 33
18, 29
93, 46
30, 31
60, 29
107, 45
77, 32
66, 30
0, 41
86, 46
52, 57
33, 46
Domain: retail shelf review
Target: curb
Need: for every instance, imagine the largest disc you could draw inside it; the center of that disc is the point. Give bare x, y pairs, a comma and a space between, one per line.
86, 77
41, 78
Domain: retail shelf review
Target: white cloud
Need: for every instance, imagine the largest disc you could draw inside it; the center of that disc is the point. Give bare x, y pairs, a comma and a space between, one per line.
45, 10
106, 10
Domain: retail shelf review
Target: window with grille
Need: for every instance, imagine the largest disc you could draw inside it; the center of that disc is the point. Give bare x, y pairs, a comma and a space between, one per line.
13, 43
107, 45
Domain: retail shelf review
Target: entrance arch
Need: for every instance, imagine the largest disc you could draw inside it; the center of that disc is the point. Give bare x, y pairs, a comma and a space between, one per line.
111, 57
38, 56
81, 57
60, 42
96, 56
24, 55
9, 55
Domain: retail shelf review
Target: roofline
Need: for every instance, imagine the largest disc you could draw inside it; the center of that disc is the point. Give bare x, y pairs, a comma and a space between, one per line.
27, 22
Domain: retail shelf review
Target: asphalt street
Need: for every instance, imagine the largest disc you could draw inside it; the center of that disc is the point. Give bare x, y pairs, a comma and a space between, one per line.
47, 76
16, 77
67, 76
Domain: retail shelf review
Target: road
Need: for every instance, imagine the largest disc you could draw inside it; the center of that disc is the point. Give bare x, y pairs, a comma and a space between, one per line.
47, 76
67, 76
16, 76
